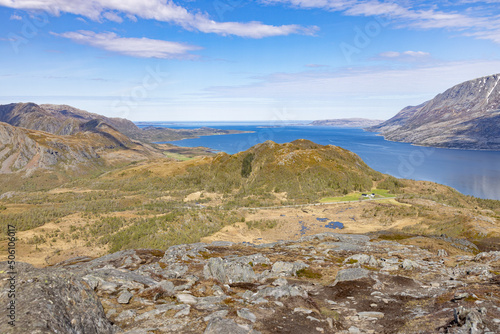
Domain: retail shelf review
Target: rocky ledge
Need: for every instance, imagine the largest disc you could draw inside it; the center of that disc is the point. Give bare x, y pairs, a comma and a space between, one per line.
326, 283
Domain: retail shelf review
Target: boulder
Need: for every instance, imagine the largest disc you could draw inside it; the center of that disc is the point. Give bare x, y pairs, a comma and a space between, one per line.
281, 268
229, 272
53, 300
351, 274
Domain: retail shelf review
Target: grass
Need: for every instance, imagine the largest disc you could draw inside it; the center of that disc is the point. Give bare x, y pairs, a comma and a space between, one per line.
176, 156
263, 224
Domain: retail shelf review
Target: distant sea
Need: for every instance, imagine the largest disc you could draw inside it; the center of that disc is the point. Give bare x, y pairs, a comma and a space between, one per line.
474, 173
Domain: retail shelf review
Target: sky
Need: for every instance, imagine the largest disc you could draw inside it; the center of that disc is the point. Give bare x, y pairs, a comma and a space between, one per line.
235, 60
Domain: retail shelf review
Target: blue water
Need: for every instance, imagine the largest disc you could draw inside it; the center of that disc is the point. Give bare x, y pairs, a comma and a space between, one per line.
334, 225
474, 173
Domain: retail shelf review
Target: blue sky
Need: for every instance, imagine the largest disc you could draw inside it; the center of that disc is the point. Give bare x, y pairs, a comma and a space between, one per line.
243, 60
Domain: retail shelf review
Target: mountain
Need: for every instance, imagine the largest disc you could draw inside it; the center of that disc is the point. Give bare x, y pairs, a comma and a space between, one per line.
57, 119
347, 122
23, 150
33, 137
67, 120
466, 116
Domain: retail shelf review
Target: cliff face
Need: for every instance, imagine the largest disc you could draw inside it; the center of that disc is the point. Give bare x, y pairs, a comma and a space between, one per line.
465, 116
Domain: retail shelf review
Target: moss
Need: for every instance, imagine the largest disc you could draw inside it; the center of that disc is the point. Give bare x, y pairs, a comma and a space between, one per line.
394, 236
309, 273
329, 313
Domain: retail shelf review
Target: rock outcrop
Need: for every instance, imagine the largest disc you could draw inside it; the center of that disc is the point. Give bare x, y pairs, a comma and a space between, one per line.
466, 116
325, 283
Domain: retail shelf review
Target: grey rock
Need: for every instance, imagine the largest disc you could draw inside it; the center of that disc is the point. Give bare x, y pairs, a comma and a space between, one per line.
363, 259
469, 318
281, 292
260, 300
351, 274
186, 298
124, 297
92, 281
246, 314
280, 282
344, 247
302, 310
218, 290
409, 265
184, 312
226, 326
354, 330
254, 259
370, 315
53, 300
442, 253
229, 272
183, 253
222, 243
126, 315
166, 286
281, 268
217, 314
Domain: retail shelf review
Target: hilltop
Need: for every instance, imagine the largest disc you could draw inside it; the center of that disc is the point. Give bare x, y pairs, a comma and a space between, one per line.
465, 116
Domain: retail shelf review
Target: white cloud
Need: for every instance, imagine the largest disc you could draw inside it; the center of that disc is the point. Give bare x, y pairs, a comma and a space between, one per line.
390, 54
410, 54
477, 20
416, 53
135, 47
112, 16
351, 87
15, 17
316, 65
160, 10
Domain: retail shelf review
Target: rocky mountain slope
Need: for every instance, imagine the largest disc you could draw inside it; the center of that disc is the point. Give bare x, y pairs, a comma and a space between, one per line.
324, 283
67, 120
347, 122
56, 119
25, 150
466, 116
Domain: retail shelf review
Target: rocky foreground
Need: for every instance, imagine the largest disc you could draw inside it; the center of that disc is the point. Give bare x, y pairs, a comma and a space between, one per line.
325, 283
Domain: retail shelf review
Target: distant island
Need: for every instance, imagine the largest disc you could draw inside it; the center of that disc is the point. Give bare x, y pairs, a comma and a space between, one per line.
347, 122
466, 116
